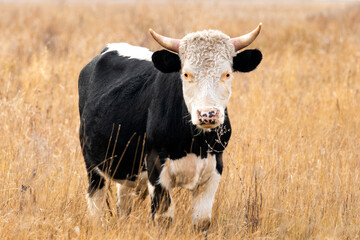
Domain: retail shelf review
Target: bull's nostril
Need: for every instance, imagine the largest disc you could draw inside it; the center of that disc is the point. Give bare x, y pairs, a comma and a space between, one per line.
208, 116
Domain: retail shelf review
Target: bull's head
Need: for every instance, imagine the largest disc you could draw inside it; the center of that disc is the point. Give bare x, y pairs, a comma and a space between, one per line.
206, 61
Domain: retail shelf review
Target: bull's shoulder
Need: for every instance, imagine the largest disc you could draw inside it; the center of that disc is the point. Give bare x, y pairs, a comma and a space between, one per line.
119, 75
120, 61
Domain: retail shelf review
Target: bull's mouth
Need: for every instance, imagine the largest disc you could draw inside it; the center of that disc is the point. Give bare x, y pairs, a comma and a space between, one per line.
207, 126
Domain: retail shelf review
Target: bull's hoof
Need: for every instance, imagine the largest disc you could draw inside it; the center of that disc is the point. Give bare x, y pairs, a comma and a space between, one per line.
202, 226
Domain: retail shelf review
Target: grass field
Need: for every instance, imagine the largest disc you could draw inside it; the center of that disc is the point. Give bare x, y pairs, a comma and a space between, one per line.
292, 169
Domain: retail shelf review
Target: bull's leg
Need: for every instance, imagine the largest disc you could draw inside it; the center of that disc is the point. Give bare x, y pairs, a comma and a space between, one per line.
202, 202
162, 207
203, 199
96, 196
125, 196
128, 192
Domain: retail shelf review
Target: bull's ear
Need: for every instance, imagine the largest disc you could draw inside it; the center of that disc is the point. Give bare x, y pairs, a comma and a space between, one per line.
166, 61
247, 60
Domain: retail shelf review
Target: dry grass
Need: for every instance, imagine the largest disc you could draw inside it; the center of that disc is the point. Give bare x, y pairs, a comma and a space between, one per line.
292, 170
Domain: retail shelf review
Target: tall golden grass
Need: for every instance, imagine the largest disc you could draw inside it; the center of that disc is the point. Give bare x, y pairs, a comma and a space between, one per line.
292, 170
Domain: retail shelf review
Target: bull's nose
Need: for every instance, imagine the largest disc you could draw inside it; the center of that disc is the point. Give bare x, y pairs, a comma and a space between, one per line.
209, 116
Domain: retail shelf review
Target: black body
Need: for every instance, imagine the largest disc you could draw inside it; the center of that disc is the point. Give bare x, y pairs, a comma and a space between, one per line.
147, 105
133, 110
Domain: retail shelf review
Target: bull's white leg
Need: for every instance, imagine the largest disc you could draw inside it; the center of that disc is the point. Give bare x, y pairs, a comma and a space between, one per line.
151, 189
127, 192
96, 202
124, 201
203, 199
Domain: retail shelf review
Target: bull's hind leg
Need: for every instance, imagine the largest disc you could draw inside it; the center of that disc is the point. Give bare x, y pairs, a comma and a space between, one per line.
124, 199
128, 192
96, 196
162, 207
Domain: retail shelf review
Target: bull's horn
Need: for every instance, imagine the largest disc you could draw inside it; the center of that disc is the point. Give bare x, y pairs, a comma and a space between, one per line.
168, 43
245, 40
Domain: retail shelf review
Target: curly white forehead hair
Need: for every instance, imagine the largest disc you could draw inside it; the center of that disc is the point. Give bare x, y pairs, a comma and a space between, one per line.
208, 46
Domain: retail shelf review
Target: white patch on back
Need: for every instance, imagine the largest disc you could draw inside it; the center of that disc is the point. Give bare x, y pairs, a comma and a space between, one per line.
188, 172
127, 50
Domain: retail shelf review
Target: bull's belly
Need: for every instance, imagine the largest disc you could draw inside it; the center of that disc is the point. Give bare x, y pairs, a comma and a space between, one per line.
188, 172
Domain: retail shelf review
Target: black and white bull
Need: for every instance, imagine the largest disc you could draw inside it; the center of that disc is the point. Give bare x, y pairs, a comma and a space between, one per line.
160, 117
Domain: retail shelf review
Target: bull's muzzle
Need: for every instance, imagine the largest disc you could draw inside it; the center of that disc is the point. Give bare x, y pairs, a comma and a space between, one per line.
208, 118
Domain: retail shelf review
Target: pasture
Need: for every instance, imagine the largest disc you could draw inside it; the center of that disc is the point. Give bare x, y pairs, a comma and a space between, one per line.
291, 171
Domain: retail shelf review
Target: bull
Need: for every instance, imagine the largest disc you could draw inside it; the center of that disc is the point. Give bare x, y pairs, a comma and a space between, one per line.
157, 120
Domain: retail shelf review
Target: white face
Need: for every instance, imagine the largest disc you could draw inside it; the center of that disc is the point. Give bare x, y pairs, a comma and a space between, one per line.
206, 73
206, 89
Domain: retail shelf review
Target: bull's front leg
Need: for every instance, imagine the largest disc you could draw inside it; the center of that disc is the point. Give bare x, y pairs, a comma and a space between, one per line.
203, 197
162, 207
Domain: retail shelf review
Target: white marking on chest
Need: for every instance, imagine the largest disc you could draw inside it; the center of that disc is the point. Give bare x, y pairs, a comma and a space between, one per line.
127, 50
187, 172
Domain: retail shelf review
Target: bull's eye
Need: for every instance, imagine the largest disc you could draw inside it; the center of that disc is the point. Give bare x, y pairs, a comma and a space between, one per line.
188, 77
225, 76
